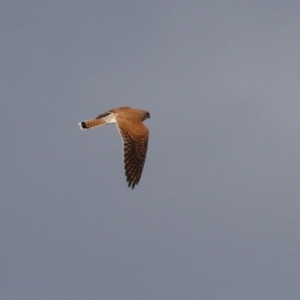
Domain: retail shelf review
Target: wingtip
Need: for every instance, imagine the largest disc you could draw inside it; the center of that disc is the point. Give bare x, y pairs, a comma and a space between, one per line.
132, 184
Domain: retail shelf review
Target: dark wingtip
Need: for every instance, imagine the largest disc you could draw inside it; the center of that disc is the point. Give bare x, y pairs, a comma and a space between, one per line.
131, 184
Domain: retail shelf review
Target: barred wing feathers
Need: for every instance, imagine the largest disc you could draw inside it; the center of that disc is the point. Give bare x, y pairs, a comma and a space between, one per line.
135, 142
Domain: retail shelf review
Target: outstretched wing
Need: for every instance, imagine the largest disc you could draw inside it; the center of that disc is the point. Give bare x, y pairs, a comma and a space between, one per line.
135, 142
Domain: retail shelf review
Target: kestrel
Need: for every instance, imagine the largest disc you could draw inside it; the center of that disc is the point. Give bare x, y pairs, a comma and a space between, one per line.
134, 134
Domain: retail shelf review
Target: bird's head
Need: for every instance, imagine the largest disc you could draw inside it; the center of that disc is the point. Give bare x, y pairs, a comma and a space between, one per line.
146, 115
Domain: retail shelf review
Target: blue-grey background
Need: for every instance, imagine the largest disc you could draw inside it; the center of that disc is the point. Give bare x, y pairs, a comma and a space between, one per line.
216, 214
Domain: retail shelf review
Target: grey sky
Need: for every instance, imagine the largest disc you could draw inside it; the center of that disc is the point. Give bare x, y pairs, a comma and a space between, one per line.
216, 213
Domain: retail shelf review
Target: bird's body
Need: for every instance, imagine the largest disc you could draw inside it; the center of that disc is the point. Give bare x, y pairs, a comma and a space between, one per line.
134, 133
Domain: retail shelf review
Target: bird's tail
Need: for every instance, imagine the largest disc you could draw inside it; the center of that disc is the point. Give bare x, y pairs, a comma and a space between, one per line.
92, 123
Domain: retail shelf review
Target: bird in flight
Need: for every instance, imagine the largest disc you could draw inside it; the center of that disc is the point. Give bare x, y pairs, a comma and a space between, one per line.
134, 134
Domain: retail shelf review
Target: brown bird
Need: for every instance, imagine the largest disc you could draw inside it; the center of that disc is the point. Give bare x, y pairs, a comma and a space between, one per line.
134, 134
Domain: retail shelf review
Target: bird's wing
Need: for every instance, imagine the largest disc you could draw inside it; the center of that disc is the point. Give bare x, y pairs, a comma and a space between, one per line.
135, 141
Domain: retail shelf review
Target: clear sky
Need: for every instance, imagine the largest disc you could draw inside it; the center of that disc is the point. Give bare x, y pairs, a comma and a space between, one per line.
216, 214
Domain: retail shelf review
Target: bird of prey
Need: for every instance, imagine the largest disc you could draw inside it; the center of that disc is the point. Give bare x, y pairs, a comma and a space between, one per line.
134, 134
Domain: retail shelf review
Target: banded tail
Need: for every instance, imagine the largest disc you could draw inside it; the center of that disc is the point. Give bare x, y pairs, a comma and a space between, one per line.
92, 123
102, 119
